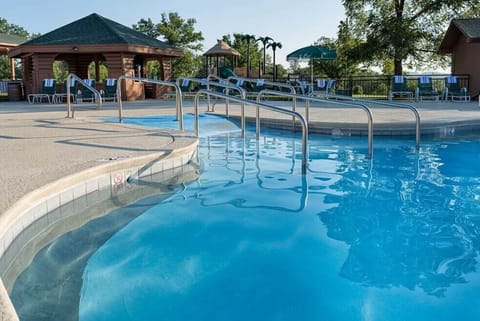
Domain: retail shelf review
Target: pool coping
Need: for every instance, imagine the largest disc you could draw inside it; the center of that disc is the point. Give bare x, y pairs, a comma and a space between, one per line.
46, 199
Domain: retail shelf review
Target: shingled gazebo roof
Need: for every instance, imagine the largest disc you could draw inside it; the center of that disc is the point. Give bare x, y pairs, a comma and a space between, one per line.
8, 41
95, 33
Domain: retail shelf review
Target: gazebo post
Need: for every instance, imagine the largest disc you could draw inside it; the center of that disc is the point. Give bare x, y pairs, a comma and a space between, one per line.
12, 68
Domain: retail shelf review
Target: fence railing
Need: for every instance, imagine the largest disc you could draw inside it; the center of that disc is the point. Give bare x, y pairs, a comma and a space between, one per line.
378, 86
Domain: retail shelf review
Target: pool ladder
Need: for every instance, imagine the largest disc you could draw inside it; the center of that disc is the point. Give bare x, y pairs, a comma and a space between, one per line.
243, 101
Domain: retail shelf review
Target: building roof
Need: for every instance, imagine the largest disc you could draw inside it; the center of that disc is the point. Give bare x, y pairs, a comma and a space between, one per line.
221, 49
13, 40
469, 28
95, 30
9, 41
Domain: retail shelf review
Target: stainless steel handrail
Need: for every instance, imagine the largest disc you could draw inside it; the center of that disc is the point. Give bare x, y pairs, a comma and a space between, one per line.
266, 82
258, 104
222, 84
310, 98
271, 83
178, 96
399, 105
98, 96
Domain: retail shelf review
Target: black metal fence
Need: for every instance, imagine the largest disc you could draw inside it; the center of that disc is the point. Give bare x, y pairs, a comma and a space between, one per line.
378, 87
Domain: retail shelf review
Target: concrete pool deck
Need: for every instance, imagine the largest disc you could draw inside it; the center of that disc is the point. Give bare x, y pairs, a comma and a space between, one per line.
40, 146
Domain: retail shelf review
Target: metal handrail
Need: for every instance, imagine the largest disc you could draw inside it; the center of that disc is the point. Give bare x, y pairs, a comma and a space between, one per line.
222, 84
258, 104
178, 96
308, 99
266, 82
271, 83
399, 105
98, 96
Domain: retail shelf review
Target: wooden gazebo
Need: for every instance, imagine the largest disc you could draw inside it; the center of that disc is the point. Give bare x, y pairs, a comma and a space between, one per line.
220, 55
95, 39
7, 43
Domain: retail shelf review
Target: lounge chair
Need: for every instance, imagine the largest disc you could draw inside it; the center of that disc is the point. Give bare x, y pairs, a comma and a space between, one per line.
59, 97
425, 89
454, 91
255, 88
302, 87
47, 92
399, 88
84, 93
186, 88
324, 87
109, 91
241, 83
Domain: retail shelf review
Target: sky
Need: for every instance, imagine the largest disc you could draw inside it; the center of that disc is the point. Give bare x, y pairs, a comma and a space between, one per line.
294, 24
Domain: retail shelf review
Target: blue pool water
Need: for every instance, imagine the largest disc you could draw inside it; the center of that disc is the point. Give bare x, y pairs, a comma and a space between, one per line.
392, 238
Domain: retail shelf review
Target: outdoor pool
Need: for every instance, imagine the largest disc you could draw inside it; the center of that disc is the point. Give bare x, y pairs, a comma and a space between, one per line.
395, 237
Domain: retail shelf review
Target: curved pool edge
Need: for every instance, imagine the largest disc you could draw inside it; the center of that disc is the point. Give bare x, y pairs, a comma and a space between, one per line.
40, 202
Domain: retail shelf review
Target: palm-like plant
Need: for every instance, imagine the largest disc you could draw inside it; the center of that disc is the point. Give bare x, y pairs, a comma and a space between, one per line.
274, 46
265, 41
248, 38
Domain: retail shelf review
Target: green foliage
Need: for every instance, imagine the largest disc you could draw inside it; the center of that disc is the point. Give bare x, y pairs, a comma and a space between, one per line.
189, 65
13, 29
60, 70
179, 33
239, 42
4, 67
18, 31
147, 27
400, 30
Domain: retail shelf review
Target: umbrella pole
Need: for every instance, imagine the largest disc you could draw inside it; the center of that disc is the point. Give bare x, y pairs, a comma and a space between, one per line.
311, 75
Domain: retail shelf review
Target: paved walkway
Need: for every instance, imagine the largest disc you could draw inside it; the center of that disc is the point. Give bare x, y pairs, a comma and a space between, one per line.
40, 145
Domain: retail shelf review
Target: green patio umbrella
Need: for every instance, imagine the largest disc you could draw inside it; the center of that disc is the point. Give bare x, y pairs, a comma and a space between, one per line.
311, 53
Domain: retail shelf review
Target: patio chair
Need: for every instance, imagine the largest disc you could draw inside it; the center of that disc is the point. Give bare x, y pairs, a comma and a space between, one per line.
59, 97
187, 88
454, 91
302, 87
425, 89
255, 88
323, 86
47, 92
399, 88
109, 91
85, 94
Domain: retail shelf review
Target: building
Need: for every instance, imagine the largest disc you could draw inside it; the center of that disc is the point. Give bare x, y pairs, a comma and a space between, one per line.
95, 39
462, 42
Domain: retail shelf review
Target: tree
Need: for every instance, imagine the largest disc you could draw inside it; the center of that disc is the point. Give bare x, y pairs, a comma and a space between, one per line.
402, 31
265, 41
10, 29
274, 46
249, 51
180, 33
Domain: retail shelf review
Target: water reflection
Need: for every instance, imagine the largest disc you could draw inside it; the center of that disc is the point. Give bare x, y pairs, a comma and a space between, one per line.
415, 227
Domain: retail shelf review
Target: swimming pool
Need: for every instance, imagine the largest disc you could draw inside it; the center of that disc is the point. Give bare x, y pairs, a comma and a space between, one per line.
395, 237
